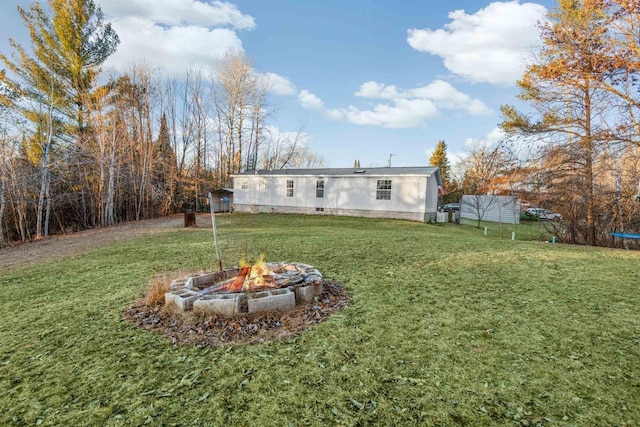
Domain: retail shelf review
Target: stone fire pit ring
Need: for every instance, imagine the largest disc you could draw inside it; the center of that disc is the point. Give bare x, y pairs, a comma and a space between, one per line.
294, 283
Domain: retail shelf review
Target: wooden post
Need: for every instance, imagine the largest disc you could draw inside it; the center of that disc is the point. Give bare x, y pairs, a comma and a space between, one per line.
215, 232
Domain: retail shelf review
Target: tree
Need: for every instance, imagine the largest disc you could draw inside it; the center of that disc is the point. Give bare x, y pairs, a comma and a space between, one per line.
482, 168
68, 48
6, 99
565, 87
479, 205
623, 44
165, 170
439, 158
57, 78
287, 150
451, 189
240, 101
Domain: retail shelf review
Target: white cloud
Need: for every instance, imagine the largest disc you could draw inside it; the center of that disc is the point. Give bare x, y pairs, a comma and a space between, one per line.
496, 136
174, 35
181, 12
279, 85
174, 49
489, 46
403, 108
375, 90
285, 137
310, 101
402, 113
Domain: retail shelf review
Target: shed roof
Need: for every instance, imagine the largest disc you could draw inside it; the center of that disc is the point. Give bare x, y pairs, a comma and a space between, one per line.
222, 190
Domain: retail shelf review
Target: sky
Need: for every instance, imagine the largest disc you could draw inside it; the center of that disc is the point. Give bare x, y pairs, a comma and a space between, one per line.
374, 81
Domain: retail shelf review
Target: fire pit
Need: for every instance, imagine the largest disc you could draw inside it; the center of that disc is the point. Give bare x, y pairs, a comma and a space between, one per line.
247, 289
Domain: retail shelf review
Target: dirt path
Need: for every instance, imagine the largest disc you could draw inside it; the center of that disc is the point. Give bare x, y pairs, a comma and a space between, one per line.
73, 244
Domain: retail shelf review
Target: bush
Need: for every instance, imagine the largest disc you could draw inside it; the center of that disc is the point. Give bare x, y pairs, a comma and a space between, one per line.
159, 287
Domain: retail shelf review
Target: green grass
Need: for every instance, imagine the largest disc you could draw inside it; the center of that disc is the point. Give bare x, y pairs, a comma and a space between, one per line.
446, 327
527, 230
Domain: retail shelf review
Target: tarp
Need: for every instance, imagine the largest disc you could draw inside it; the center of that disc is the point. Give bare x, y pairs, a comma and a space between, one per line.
626, 235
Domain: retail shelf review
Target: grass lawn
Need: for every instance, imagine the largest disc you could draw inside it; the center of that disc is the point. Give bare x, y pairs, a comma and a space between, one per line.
446, 327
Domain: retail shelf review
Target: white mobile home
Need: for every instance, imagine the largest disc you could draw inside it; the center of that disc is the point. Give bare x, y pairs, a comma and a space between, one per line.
402, 192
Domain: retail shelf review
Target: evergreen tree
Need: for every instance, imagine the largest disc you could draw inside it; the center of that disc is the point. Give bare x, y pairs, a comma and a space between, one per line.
68, 48
452, 192
55, 82
165, 175
567, 88
439, 158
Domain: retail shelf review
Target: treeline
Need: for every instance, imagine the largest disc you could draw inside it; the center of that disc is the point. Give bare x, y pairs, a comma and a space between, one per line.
81, 150
583, 92
575, 148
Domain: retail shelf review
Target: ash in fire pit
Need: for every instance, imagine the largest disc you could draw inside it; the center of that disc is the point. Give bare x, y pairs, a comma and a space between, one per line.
247, 289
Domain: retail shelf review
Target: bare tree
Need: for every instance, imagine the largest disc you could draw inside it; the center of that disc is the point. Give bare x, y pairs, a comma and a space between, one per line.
283, 150
479, 204
481, 169
4, 166
239, 97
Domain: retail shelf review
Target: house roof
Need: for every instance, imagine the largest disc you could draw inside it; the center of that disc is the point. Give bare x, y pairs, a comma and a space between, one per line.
417, 170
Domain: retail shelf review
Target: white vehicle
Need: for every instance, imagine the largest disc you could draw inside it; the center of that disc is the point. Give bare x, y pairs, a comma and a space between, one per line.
544, 214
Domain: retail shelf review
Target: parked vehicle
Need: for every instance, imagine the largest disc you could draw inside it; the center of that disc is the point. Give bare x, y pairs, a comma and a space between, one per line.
450, 207
543, 214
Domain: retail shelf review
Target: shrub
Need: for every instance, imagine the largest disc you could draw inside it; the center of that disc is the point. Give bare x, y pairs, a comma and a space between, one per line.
155, 295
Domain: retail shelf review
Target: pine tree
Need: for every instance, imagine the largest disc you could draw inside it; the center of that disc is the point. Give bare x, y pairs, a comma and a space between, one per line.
165, 167
452, 192
57, 79
68, 48
439, 158
566, 89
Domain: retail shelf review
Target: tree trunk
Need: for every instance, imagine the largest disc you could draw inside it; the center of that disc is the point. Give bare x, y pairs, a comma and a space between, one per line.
45, 182
3, 190
588, 149
109, 206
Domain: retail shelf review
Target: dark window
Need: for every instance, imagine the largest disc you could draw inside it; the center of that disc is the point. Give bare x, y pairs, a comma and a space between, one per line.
320, 189
289, 188
383, 189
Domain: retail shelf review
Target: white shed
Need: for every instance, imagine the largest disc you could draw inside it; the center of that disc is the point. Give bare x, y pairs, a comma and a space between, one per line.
397, 192
505, 209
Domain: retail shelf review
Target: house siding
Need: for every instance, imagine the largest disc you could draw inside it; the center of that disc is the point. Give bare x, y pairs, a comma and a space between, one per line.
349, 195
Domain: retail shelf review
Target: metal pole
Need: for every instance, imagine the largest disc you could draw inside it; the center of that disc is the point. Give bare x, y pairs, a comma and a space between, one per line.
215, 232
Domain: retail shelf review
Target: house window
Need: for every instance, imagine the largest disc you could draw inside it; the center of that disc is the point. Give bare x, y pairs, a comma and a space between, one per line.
289, 188
244, 185
383, 189
320, 189
263, 185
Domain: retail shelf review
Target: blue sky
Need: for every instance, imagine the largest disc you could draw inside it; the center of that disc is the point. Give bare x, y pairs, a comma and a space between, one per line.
365, 79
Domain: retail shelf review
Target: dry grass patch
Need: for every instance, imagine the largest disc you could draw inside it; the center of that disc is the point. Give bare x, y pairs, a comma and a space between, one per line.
155, 294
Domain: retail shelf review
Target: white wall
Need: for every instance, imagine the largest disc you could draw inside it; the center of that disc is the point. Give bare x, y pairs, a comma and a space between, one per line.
408, 192
505, 209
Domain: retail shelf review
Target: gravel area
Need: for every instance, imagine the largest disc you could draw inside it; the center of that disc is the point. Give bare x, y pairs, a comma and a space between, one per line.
56, 247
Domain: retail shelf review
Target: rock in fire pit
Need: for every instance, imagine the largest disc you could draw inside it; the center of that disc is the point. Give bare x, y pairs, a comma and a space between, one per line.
247, 289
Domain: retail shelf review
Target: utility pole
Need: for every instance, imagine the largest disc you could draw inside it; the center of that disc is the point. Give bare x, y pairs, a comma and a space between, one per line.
390, 156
